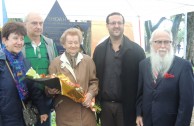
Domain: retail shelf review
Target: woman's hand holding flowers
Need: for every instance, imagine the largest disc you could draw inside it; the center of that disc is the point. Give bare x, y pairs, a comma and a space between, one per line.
87, 100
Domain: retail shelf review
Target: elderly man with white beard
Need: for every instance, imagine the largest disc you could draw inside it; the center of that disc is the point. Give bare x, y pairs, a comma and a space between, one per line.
165, 87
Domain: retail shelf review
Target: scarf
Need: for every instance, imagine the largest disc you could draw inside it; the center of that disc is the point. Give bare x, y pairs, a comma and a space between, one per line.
72, 59
17, 67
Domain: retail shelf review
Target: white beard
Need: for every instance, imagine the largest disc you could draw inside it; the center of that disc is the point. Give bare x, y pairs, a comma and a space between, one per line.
161, 64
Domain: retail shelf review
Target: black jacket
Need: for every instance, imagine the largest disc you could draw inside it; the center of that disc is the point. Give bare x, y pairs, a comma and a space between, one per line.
10, 103
133, 54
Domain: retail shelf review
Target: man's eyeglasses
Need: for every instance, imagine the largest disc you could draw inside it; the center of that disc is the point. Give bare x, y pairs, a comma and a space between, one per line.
166, 42
114, 23
38, 52
34, 23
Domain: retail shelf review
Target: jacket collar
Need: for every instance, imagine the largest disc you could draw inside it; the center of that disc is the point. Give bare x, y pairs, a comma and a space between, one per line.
27, 40
66, 63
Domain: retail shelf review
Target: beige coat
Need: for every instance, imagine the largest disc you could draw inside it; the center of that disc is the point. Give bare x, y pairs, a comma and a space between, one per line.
68, 112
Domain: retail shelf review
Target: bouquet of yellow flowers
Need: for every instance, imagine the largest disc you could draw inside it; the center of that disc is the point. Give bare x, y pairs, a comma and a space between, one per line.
67, 88
71, 90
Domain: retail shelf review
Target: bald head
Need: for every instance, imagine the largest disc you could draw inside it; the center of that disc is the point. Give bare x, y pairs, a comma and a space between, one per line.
34, 26
33, 15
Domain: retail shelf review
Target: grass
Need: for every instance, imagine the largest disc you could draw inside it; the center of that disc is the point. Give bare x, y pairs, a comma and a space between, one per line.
53, 115
53, 123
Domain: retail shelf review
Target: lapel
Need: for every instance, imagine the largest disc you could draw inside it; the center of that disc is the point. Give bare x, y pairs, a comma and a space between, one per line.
159, 80
66, 63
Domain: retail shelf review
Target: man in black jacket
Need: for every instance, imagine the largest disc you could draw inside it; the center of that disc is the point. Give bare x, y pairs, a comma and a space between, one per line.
117, 61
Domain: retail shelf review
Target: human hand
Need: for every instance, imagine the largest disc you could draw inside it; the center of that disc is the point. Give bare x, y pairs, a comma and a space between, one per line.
43, 118
139, 121
88, 100
52, 91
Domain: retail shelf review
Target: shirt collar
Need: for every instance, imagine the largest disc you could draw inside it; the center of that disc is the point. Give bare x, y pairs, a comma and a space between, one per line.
27, 40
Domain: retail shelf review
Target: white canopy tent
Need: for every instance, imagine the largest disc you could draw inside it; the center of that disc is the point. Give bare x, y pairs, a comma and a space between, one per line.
98, 10
135, 11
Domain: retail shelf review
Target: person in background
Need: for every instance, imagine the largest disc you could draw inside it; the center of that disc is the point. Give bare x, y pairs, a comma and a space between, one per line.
165, 90
15, 88
39, 50
117, 59
80, 69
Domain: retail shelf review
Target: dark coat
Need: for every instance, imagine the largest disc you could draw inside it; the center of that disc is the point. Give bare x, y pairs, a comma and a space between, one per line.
133, 54
170, 102
10, 103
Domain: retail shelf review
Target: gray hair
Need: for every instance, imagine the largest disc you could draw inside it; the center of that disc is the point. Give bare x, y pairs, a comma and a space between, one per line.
30, 14
158, 30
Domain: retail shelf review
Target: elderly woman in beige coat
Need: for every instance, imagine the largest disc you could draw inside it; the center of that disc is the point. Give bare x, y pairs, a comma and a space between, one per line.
80, 69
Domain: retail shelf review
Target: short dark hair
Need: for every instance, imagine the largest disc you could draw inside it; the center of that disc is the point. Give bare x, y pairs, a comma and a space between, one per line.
114, 13
13, 27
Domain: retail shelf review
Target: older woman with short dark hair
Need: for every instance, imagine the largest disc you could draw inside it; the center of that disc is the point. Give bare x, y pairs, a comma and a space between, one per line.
13, 86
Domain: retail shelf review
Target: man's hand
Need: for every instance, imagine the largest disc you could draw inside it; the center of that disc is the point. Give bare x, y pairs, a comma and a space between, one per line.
52, 91
43, 118
139, 121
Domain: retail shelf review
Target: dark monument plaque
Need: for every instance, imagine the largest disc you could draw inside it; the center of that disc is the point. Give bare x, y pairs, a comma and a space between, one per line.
56, 23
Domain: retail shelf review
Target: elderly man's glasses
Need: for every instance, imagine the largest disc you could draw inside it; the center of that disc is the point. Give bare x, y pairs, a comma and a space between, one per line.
38, 52
166, 42
114, 23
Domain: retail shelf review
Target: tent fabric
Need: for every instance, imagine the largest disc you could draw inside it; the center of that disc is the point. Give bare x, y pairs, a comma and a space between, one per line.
98, 10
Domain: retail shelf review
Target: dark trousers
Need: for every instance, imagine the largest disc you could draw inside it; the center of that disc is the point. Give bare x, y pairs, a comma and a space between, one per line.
49, 105
47, 123
112, 114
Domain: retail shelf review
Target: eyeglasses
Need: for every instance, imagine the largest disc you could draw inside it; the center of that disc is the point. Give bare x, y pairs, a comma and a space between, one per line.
166, 42
38, 52
34, 23
114, 23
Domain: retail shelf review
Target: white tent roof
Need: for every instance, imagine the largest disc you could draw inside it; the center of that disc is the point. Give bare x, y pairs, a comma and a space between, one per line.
135, 11
98, 10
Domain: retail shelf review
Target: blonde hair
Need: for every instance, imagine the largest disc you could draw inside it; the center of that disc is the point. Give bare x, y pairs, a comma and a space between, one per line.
71, 31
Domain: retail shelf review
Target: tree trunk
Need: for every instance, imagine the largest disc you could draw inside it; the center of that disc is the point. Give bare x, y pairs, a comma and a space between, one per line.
148, 32
149, 29
175, 29
190, 37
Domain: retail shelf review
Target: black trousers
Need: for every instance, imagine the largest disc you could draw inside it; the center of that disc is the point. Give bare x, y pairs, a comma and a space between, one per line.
50, 106
111, 114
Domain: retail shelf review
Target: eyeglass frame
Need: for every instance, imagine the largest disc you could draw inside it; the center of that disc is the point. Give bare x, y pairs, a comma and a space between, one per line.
165, 42
114, 23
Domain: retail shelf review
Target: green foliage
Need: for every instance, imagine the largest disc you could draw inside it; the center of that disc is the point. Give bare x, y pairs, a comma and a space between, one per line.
53, 122
53, 115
